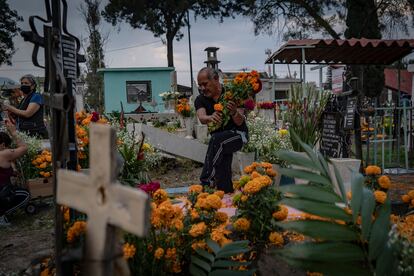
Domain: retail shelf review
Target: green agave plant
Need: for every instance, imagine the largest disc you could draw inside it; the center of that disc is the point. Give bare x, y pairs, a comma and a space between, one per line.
334, 248
218, 262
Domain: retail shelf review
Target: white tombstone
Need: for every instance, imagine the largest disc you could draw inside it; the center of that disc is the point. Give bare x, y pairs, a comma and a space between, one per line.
107, 203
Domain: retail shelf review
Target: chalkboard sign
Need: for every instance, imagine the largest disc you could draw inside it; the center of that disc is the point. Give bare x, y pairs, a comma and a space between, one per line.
349, 120
330, 144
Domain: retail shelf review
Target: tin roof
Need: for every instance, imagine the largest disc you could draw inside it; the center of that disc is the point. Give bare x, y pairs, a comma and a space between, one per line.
337, 51
391, 80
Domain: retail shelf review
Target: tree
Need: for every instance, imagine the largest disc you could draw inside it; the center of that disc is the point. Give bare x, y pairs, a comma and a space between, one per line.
8, 30
162, 17
95, 55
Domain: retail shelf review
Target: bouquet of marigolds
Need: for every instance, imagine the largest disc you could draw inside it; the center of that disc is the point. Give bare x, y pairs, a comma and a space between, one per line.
183, 108
241, 91
43, 163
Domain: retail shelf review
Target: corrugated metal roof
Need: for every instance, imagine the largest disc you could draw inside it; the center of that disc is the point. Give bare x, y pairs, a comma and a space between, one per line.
337, 51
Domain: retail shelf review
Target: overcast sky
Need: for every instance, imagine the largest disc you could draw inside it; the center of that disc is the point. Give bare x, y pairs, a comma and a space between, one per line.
239, 47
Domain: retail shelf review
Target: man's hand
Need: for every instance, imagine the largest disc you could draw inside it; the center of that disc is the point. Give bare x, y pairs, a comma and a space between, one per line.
216, 117
4, 107
232, 107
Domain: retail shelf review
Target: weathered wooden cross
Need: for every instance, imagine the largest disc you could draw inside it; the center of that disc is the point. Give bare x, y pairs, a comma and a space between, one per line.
107, 203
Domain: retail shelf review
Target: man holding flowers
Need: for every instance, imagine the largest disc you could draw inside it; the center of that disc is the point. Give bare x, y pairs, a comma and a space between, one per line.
227, 126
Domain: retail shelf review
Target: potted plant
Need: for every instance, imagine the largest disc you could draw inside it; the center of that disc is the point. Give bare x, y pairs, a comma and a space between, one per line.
304, 112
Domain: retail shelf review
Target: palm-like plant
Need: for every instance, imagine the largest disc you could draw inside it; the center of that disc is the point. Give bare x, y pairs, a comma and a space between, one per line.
339, 245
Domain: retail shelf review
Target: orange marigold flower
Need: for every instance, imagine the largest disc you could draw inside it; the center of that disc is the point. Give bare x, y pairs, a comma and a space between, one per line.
176, 268
219, 193
244, 198
349, 195
380, 196
241, 224
214, 201
384, 182
171, 254
199, 245
202, 195
129, 251
77, 229
198, 229
221, 216
248, 169
159, 253
202, 203
195, 189
194, 214
255, 174
177, 224
282, 214
218, 107
373, 170
411, 194
276, 239
159, 196
406, 198
252, 187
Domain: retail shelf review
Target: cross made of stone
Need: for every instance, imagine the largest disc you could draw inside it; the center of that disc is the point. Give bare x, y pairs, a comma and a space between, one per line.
107, 203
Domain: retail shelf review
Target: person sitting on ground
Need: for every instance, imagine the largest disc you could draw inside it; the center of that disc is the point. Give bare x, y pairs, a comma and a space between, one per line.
29, 113
11, 198
225, 140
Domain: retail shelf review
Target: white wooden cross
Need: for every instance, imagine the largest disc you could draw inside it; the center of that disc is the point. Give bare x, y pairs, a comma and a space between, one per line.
107, 203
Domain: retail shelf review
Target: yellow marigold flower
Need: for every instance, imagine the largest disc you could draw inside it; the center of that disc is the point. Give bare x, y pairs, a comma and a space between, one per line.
43, 165
276, 239
221, 216
380, 196
195, 189
265, 180
384, 182
219, 193
198, 229
411, 194
218, 107
171, 254
129, 251
159, 253
271, 172
406, 198
198, 245
282, 214
373, 170
48, 158
214, 201
283, 132
241, 224
160, 195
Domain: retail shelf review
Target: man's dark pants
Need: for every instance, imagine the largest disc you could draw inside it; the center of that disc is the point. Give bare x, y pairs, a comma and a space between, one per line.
217, 165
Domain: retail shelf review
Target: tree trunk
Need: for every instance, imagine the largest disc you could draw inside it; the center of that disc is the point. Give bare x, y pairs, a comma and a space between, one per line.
170, 52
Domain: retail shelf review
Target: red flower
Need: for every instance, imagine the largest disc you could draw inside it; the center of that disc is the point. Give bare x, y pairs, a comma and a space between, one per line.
249, 104
95, 117
150, 187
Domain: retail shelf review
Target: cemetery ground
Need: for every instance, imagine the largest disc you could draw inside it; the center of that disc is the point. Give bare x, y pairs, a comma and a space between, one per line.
31, 237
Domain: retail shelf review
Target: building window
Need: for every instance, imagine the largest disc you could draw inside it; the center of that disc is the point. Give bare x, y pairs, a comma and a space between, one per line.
138, 91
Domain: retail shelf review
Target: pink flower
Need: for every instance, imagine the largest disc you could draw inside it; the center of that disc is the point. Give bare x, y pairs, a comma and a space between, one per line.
249, 104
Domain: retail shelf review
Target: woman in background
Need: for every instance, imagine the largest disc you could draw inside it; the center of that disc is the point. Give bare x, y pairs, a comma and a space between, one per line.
29, 113
10, 198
